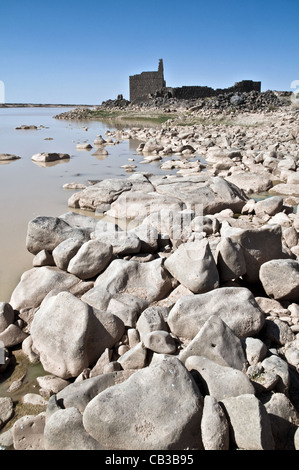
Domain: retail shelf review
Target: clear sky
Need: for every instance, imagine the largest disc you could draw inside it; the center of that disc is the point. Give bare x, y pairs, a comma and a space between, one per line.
82, 52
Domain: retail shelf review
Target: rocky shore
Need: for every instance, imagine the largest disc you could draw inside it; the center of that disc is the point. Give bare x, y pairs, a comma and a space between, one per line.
169, 318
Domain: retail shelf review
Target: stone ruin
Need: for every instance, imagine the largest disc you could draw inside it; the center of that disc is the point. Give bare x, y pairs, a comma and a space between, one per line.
148, 84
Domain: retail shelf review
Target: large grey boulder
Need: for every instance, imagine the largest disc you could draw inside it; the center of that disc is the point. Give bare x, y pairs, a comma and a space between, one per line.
141, 414
105, 191
92, 258
45, 233
149, 281
236, 306
258, 246
64, 431
202, 193
280, 279
36, 283
65, 251
28, 432
250, 422
230, 259
217, 342
193, 265
214, 426
6, 315
251, 182
138, 205
219, 381
123, 243
284, 419
79, 394
68, 335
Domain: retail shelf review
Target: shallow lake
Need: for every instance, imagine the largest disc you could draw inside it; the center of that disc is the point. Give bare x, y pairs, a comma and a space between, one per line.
28, 189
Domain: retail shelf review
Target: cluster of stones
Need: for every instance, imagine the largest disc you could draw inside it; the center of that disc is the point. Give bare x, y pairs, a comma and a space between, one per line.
174, 328
257, 153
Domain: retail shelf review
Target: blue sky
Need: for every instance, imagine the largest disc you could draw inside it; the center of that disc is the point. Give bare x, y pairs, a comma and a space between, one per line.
82, 52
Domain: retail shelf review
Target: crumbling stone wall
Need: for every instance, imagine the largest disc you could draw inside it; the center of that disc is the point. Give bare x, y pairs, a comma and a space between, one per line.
195, 92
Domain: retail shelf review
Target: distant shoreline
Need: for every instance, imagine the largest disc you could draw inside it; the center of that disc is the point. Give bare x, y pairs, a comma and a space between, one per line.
32, 105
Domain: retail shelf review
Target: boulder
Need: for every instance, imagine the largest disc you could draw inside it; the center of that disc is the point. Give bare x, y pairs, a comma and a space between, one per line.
46, 157
6, 410
284, 419
258, 246
230, 259
217, 342
271, 275
127, 307
134, 358
138, 205
91, 259
123, 243
64, 431
193, 265
251, 182
236, 306
203, 194
36, 283
217, 380
68, 335
12, 336
152, 319
270, 206
149, 281
28, 432
214, 426
249, 422
79, 394
160, 341
45, 233
65, 251
105, 191
153, 417
7, 315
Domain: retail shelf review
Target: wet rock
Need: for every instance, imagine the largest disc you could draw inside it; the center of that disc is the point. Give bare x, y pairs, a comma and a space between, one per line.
49, 157
154, 417
6, 157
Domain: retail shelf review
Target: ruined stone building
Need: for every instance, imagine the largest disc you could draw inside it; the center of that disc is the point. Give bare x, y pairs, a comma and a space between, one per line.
153, 83
147, 83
